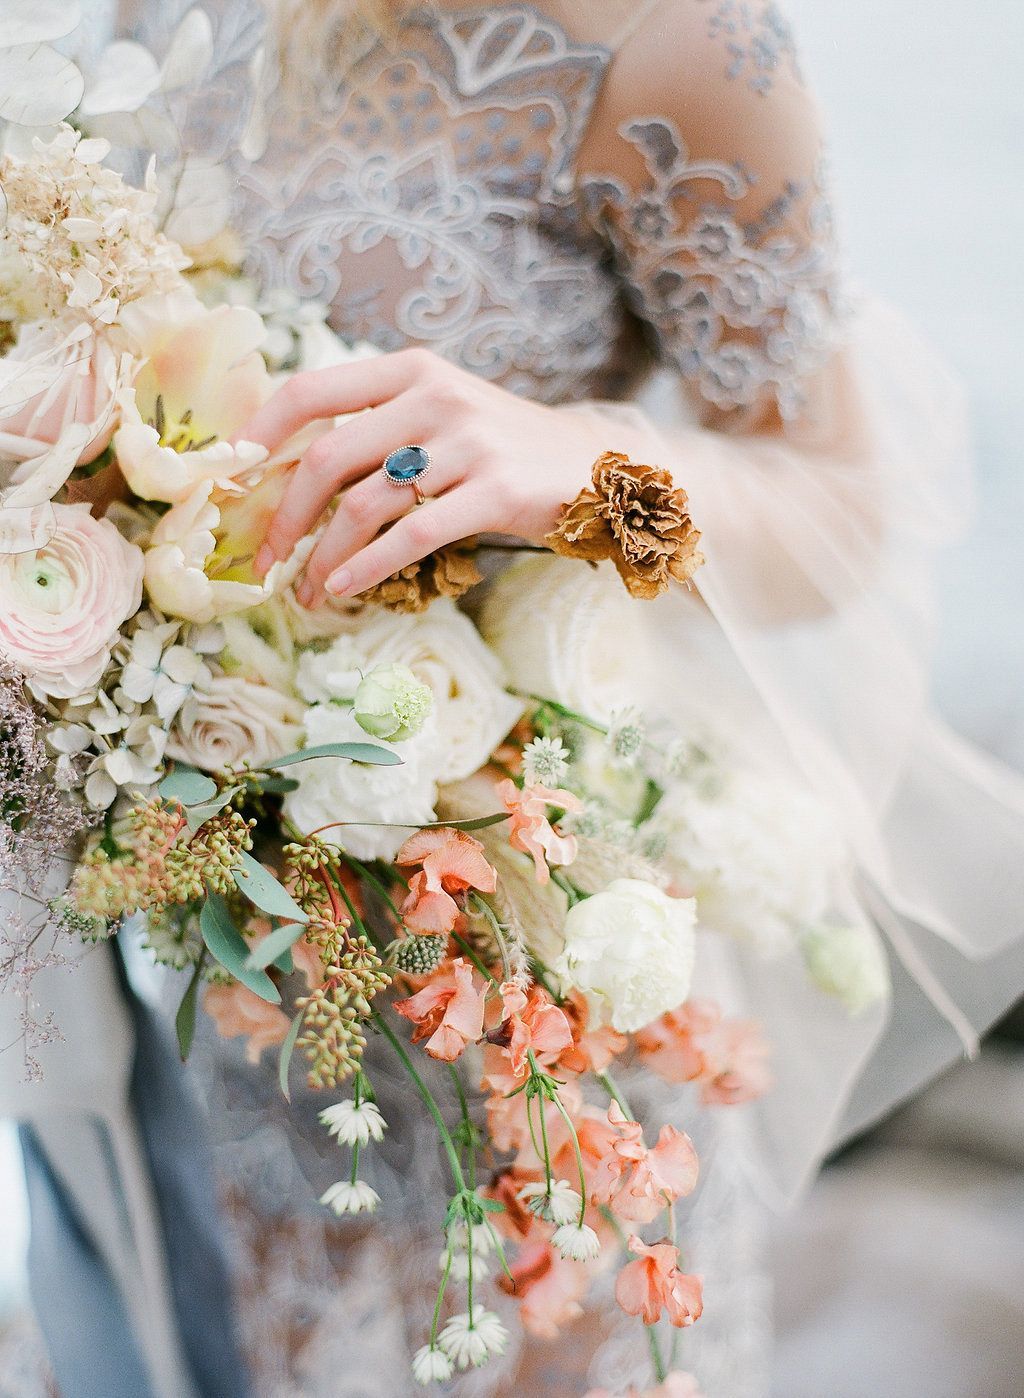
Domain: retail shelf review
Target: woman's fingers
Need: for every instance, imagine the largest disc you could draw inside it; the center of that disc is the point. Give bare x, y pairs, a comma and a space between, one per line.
463, 511
353, 449
364, 509
343, 388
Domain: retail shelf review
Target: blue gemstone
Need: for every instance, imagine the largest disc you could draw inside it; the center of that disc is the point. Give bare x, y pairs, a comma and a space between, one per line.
405, 464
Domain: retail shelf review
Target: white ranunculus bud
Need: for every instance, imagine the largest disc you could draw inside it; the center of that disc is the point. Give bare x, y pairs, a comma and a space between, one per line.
847, 962
391, 703
630, 950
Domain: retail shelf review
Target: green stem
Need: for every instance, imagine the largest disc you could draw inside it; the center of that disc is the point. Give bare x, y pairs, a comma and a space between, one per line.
371, 878
579, 1155
562, 711
657, 1363
615, 1093
427, 1095
464, 946
484, 907
440, 1297
467, 1125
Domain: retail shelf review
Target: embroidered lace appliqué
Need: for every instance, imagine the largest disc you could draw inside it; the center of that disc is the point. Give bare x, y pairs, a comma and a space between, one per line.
430, 201
739, 309
758, 39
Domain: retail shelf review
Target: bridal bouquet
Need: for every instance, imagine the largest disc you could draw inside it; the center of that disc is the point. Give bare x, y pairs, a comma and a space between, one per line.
359, 819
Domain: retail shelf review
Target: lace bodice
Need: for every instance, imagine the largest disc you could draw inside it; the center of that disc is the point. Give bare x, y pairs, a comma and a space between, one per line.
505, 185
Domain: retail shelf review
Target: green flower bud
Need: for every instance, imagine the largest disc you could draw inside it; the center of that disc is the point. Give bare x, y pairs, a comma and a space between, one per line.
391, 703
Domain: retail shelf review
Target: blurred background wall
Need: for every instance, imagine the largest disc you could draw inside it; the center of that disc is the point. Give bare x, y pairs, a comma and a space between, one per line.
904, 1275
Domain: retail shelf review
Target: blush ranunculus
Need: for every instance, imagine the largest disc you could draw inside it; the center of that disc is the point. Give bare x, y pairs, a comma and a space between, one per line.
61, 605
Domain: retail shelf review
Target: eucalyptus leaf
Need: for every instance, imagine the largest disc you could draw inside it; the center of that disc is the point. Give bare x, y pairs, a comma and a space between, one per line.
278, 786
274, 945
199, 815
187, 785
369, 753
185, 1019
284, 1062
227, 945
267, 892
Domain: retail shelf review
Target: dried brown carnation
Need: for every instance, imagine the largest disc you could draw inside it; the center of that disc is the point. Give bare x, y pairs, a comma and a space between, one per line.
448, 572
636, 516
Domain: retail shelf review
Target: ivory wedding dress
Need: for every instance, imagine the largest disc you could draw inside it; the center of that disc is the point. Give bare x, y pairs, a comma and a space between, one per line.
592, 203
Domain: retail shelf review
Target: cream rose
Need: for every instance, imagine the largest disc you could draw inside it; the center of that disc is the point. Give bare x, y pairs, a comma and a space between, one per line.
564, 631
444, 650
231, 721
61, 605
335, 789
630, 950
202, 379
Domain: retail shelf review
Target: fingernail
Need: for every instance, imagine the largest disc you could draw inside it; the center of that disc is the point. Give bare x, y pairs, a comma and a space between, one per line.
304, 593
339, 582
264, 559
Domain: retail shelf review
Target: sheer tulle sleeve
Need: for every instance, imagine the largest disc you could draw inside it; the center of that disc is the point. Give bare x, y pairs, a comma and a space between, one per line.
823, 448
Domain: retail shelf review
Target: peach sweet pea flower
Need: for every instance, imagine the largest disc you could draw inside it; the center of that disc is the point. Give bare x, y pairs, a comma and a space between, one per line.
653, 1283
548, 1287
696, 1044
530, 1021
451, 862
448, 1012
235, 1011
634, 1181
592, 1049
529, 827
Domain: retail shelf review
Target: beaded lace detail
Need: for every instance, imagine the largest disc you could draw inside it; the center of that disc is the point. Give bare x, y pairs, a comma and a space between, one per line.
757, 37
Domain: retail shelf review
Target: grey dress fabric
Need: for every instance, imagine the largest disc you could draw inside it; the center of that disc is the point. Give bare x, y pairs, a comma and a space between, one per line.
97, 1355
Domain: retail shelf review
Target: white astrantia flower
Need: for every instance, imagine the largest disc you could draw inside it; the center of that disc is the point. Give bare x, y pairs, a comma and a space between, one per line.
847, 962
545, 762
472, 1339
459, 1263
458, 1237
577, 1242
630, 949
627, 735
430, 1364
354, 1123
561, 1204
347, 1198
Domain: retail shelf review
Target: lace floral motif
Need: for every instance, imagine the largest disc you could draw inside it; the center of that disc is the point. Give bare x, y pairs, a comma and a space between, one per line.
430, 201
738, 308
757, 37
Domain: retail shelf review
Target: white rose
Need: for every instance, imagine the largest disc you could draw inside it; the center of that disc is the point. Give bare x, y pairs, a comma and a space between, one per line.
560, 631
231, 721
758, 852
630, 950
335, 789
444, 650
61, 605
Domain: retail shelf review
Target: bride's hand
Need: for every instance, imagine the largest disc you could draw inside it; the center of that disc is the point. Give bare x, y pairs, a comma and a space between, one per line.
498, 463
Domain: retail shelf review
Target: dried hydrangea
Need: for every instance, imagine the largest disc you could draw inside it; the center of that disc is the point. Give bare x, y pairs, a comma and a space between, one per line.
636, 516
77, 236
